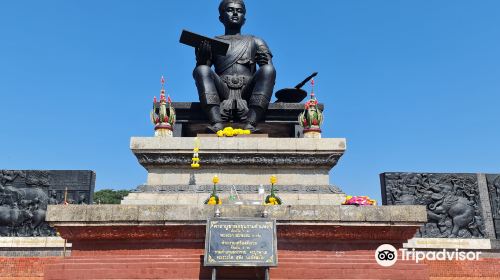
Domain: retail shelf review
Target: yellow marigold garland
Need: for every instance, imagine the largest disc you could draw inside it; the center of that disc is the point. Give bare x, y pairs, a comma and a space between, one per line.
196, 159
230, 132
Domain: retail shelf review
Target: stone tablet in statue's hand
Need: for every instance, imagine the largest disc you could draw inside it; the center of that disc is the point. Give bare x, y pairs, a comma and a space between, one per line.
204, 53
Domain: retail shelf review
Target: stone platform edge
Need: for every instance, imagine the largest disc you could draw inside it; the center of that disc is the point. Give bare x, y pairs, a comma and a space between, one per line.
243, 145
109, 215
452, 243
32, 242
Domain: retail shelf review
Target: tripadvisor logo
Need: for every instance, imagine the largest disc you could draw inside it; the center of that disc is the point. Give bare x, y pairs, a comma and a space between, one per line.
387, 255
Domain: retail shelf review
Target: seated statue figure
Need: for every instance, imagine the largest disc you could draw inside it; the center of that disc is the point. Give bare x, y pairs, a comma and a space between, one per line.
236, 90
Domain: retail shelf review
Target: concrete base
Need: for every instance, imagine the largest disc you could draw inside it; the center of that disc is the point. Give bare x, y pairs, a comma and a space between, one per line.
32, 242
68, 217
33, 247
495, 244
449, 243
153, 242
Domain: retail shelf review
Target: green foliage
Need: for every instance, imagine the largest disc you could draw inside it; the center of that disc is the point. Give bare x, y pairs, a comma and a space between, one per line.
108, 196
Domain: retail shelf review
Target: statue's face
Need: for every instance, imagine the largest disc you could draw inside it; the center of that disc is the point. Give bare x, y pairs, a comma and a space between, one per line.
233, 15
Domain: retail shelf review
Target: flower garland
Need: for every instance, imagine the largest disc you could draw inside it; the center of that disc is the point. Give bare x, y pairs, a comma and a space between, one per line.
230, 132
196, 159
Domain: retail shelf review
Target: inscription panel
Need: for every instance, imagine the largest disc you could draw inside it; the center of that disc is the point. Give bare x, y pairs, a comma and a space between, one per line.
241, 242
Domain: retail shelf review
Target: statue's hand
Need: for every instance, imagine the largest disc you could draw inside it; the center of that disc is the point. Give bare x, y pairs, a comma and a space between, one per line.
261, 58
204, 53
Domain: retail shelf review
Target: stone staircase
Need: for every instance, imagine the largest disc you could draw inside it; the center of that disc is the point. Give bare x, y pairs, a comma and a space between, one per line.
484, 269
292, 265
343, 265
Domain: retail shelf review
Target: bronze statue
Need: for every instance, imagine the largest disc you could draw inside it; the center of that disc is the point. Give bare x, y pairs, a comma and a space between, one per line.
236, 90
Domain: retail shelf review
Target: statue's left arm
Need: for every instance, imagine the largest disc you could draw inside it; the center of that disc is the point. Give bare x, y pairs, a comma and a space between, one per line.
263, 55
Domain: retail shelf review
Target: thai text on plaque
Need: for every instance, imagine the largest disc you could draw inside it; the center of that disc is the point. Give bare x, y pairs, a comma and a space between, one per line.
241, 242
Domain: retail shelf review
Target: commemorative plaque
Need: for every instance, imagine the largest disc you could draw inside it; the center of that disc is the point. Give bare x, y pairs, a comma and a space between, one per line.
241, 242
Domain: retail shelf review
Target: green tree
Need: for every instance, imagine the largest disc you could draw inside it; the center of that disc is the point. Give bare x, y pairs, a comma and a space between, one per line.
108, 196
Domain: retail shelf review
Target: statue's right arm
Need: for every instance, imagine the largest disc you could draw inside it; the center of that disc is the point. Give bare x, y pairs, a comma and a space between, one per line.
204, 54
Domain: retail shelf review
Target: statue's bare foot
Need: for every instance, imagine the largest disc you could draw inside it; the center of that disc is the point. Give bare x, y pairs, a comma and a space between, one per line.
215, 127
252, 128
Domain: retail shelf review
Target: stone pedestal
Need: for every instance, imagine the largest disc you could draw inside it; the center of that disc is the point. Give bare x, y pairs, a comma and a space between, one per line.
242, 164
238, 161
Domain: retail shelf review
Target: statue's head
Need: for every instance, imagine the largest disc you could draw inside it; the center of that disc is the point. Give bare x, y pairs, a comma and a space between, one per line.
232, 13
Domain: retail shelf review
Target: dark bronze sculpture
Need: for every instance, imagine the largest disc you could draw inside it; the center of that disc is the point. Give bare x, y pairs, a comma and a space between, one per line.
295, 94
236, 90
25, 194
493, 181
452, 200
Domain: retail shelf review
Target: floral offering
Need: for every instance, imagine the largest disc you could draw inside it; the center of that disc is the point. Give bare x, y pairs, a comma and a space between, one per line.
272, 199
359, 200
214, 199
230, 132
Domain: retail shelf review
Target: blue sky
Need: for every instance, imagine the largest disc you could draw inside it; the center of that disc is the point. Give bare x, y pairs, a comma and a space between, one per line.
412, 85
